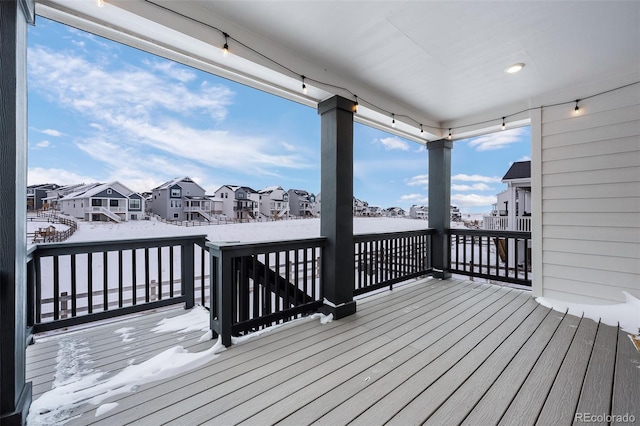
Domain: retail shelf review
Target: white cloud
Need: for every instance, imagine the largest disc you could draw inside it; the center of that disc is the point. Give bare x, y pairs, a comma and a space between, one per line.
145, 114
418, 180
394, 143
415, 198
288, 146
51, 132
497, 140
170, 69
474, 187
40, 175
475, 178
43, 144
472, 200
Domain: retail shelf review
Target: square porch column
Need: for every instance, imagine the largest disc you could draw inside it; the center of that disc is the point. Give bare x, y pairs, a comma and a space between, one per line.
440, 203
336, 209
15, 394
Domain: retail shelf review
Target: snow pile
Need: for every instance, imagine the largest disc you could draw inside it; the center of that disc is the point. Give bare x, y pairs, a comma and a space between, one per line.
627, 314
75, 384
125, 333
197, 319
54, 406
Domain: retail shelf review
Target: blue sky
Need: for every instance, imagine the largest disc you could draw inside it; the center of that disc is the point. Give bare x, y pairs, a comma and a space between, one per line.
101, 111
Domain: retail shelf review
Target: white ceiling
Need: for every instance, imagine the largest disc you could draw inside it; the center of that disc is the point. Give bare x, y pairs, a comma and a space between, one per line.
436, 63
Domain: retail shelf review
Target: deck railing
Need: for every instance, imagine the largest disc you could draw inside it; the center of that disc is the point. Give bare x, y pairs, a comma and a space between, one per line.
262, 284
71, 284
503, 256
382, 260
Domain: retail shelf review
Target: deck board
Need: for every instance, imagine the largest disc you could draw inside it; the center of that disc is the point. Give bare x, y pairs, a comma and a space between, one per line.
626, 382
435, 351
598, 380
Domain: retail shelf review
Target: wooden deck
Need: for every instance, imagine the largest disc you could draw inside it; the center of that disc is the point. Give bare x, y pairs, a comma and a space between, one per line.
434, 352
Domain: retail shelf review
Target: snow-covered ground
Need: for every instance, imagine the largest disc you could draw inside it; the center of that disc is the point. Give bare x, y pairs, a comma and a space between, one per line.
244, 232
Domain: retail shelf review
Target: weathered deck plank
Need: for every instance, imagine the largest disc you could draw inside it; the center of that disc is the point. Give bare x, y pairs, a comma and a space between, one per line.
625, 401
436, 351
460, 403
526, 405
562, 401
599, 378
222, 380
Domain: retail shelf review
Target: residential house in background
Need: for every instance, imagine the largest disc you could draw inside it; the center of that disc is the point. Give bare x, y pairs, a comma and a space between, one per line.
512, 211
36, 195
394, 212
274, 202
182, 199
55, 195
301, 203
375, 211
360, 208
419, 212
103, 202
456, 215
238, 202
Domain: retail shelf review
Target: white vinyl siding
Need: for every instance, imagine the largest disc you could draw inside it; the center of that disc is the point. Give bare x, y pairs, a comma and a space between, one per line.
589, 171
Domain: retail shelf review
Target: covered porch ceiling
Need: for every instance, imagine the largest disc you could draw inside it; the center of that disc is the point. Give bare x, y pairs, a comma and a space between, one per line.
432, 64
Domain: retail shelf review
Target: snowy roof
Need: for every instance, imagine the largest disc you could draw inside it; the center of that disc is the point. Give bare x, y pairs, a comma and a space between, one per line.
269, 189
518, 170
172, 182
92, 189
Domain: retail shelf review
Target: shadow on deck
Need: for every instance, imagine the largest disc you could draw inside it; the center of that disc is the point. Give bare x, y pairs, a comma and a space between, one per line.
434, 352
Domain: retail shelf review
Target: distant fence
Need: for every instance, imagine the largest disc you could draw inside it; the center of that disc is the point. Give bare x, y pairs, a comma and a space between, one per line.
48, 235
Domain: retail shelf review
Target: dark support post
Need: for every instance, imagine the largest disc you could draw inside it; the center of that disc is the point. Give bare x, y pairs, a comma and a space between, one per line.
336, 215
15, 394
440, 203
188, 274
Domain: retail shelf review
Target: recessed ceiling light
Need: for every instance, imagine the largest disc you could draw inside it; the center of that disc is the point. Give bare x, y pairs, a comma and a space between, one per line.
514, 68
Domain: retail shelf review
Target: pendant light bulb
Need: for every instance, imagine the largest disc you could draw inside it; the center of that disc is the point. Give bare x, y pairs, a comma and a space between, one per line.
304, 86
449, 137
421, 129
100, 3
355, 105
504, 126
393, 121
576, 110
225, 48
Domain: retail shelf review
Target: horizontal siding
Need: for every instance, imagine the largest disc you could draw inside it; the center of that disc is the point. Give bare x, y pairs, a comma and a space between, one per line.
579, 297
590, 149
600, 162
598, 190
600, 248
617, 281
586, 205
589, 121
627, 265
590, 233
590, 191
591, 177
627, 129
579, 218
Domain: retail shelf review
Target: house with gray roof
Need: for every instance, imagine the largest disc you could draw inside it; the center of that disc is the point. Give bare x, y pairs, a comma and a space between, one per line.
102, 202
182, 199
